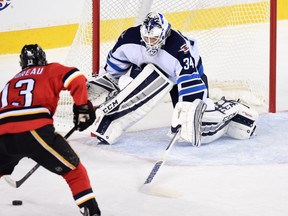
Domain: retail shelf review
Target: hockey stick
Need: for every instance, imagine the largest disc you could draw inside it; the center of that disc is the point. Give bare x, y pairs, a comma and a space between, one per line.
18, 183
147, 186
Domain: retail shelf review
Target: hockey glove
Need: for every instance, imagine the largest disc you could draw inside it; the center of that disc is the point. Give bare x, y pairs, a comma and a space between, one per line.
84, 116
189, 116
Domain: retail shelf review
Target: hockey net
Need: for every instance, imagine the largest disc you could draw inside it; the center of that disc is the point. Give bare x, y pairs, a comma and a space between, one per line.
233, 38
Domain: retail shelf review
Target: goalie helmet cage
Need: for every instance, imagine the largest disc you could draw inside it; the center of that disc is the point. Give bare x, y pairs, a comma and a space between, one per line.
238, 52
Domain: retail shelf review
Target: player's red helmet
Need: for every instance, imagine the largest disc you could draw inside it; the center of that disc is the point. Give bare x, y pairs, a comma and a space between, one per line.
32, 55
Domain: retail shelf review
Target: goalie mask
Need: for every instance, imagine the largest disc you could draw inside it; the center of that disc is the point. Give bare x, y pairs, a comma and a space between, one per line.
154, 32
32, 55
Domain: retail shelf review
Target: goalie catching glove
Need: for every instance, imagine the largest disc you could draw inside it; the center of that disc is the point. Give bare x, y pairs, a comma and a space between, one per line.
84, 116
102, 89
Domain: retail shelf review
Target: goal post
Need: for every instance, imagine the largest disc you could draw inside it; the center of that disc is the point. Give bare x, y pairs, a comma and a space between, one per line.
95, 36
237, 41
273, 58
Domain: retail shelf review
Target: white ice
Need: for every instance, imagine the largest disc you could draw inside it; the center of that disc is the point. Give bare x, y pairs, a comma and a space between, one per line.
226, 178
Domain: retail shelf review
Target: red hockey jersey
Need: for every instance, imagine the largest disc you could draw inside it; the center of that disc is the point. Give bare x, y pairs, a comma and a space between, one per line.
29, 100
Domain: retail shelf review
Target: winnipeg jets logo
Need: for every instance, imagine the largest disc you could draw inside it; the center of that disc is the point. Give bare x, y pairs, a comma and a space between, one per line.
4, 4
184, 48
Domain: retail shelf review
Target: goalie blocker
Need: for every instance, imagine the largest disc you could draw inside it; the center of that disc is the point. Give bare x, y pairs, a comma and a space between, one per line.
132, 103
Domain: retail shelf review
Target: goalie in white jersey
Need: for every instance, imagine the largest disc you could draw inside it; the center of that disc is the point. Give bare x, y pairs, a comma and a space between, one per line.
147, 62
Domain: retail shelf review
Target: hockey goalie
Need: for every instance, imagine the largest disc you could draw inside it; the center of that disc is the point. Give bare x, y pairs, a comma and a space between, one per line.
121, 103
150, 61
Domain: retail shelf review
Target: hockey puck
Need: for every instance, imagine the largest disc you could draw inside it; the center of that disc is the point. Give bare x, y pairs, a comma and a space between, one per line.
16, 202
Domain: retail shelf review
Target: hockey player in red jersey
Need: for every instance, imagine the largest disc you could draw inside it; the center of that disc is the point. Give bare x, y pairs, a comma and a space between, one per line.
28, 103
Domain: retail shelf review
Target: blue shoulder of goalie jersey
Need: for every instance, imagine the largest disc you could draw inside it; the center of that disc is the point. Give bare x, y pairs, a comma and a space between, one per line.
129, 36
176, 44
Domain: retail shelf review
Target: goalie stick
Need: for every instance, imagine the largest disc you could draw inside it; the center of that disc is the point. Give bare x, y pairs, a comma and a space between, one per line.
147, 186
18, 183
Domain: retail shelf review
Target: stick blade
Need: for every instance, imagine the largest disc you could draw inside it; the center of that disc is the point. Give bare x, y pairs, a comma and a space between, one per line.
10, 181
159, 191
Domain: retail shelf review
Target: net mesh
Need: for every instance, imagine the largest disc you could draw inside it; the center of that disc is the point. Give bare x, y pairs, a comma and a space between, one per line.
233, 40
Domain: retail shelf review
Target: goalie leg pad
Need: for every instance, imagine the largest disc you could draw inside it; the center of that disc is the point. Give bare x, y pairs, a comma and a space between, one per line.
215, 121
101, 89
243, 125
189, 116
138, 98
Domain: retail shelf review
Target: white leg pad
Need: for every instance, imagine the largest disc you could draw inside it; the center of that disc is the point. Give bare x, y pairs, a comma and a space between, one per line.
230, 118
243, 125
138, 98
216, 120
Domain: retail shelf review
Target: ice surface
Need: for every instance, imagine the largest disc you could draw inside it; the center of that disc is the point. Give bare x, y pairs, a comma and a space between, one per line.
227, 177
